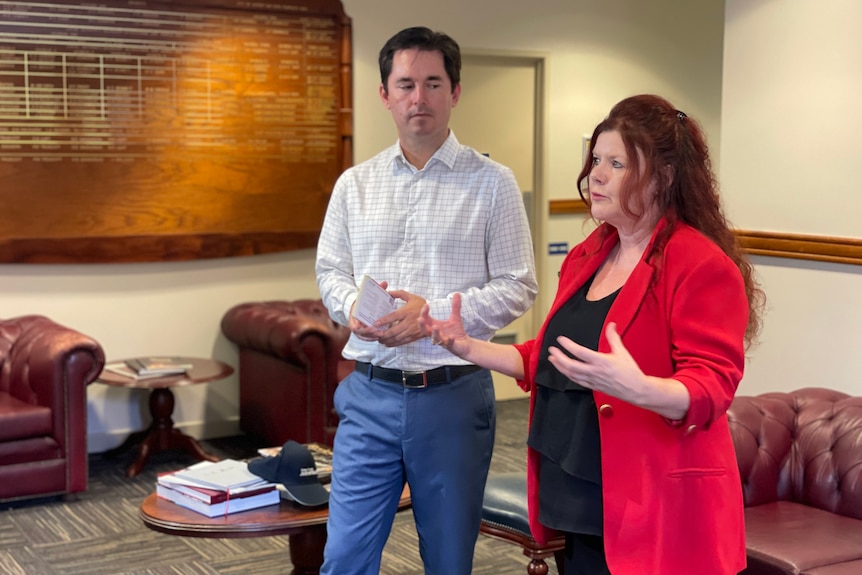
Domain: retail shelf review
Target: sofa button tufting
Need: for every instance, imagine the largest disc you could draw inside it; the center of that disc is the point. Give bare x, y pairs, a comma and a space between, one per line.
606, 410
799, 425
49, 362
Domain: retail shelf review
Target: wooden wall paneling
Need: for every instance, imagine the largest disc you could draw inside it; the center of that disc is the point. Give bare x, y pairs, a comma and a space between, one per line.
153, 131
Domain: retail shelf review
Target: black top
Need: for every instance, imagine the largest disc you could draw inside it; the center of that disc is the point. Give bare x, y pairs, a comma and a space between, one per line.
565, 425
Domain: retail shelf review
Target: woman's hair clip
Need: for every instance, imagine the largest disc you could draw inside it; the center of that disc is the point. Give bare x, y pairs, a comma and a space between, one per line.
681, 115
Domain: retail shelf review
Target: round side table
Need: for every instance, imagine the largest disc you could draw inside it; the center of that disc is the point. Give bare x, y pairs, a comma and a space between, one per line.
161, 435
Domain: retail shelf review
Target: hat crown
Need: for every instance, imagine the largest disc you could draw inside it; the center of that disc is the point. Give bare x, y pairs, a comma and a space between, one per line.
295, 469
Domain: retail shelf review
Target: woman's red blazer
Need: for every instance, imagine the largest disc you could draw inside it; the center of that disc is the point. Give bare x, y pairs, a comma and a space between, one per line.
672, 497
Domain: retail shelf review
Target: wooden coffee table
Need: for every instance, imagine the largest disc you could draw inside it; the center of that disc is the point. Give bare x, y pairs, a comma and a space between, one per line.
304, 527
161, 434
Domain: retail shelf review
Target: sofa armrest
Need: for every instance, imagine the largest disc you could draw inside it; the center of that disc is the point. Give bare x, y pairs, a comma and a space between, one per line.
282, 329
762, 430
47, 364
46, 361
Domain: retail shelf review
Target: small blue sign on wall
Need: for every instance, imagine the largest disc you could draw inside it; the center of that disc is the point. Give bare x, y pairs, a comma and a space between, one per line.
558, 248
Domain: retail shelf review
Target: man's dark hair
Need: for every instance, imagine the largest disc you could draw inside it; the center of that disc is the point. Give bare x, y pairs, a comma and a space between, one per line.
426, 40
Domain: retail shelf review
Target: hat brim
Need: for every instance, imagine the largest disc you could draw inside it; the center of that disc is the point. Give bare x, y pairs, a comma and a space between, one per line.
308, 495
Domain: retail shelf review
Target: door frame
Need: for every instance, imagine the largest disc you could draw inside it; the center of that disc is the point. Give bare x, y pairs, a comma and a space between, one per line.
526, 327
536, 198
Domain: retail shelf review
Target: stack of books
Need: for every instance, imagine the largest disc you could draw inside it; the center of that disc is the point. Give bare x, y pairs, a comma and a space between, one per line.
217, 488
146, 367
151, 366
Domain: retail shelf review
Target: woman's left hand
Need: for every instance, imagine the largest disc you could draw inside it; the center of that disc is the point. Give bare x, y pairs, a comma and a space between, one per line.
615, 373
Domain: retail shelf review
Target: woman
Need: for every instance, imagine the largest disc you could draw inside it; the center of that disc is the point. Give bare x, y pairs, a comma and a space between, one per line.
629, 452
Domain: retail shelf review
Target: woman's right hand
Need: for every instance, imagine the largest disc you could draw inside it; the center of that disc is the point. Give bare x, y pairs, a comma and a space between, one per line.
449, 333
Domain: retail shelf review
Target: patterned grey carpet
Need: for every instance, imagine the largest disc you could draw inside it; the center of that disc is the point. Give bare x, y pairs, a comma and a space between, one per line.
101, 534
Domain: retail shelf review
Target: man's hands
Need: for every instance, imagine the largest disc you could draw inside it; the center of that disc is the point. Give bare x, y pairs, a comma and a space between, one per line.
397, 328
402, 325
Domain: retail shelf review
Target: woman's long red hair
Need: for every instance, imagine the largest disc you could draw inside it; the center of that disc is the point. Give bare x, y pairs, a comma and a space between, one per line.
688, 192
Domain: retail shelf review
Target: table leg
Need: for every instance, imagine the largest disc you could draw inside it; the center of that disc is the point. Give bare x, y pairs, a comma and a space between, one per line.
162, 435
133, 440
306, 550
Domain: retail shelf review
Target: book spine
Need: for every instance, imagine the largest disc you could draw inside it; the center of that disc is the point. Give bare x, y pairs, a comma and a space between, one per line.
230, 506
190, 502
207, 498
211, 496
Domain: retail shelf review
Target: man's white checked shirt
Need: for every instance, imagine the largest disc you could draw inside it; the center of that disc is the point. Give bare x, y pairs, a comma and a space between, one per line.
457, 225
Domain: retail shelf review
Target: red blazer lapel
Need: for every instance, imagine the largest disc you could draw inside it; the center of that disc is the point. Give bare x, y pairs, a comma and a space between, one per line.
632, 296
582, 264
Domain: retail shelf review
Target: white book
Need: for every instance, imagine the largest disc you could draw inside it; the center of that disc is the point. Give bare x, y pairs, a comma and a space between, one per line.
226, 474
373, 302
237, 505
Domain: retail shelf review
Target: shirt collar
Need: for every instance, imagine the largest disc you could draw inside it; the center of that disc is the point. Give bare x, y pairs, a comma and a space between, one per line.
445, 154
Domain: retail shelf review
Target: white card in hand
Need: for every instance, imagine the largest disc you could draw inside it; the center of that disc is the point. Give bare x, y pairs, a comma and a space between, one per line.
373, 302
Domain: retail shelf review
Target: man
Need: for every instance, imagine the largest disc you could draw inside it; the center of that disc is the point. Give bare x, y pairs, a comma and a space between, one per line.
427, 217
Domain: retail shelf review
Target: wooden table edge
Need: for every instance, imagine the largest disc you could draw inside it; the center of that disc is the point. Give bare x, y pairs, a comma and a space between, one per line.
189, 523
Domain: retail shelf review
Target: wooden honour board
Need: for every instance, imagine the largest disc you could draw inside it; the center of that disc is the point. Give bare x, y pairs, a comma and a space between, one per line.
152, 131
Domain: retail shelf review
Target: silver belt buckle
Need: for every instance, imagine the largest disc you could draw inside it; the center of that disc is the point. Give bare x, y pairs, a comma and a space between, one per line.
409, 374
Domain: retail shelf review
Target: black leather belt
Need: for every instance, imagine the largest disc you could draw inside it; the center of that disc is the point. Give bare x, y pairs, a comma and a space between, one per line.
416, 379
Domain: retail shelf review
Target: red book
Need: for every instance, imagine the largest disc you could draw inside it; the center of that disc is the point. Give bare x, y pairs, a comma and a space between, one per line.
213, 496
233, 505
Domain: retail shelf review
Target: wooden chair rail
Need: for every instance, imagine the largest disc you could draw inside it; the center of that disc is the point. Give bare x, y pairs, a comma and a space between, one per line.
774, 244
799, 246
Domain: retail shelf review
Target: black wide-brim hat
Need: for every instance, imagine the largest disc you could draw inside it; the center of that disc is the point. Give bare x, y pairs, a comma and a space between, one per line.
294, 468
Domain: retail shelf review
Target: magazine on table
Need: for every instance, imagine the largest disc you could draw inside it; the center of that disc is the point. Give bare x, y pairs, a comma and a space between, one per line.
158, 365
120, 368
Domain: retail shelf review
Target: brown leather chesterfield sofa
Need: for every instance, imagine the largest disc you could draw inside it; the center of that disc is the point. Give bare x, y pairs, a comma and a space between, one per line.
44, 371
289, 365
800, 457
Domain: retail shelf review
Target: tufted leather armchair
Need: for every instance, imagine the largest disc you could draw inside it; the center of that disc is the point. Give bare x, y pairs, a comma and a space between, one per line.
289, 365
44, 371
800, 458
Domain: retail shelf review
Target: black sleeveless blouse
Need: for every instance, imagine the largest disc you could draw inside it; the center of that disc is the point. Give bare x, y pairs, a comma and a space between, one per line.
565, 425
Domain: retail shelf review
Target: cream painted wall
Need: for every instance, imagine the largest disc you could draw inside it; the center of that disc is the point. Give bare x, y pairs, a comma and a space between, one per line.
155, 309
791, 117
598, 53
791, 143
